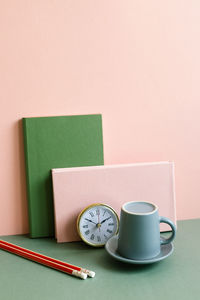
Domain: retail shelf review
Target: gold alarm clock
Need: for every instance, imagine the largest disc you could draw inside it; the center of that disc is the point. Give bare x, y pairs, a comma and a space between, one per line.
97, 223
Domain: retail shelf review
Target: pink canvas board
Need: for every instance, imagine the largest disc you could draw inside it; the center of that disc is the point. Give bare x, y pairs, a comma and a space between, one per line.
76, 188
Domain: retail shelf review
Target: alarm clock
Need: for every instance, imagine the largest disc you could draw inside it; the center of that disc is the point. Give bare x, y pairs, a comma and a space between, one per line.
97, 223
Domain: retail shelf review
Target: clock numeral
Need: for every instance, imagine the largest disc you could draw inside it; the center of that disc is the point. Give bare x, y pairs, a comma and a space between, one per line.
87, 232
111, 224
85, 226
92, 237
108, 230
105, 236
104, 213
98, 238
97, 212
91, 214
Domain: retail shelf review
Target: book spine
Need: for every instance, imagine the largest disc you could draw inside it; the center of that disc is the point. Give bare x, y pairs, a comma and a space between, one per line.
24, 123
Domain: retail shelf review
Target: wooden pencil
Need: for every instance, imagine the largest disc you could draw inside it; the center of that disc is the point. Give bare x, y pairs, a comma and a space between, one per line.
88, 272
47, 261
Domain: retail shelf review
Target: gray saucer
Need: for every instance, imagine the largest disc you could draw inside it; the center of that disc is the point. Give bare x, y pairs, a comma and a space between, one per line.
111, 248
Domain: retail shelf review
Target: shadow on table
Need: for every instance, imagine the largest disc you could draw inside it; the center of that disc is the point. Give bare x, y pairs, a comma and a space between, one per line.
110, 263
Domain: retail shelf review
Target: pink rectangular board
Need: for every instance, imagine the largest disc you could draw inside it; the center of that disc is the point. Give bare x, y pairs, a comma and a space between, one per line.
76, 188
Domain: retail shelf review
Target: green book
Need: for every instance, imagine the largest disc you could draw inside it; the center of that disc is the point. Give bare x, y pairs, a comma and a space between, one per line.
56, 142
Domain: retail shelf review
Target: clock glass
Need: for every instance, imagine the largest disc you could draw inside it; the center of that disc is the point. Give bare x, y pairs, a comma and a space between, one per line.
97, 223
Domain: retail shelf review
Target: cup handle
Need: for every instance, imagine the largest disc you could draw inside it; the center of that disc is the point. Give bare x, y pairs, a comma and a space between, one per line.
163, 240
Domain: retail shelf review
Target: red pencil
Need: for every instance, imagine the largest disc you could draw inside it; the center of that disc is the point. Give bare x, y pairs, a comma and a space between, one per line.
47, 261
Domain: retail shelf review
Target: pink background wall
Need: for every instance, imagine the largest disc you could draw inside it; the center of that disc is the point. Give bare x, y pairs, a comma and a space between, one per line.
136, 62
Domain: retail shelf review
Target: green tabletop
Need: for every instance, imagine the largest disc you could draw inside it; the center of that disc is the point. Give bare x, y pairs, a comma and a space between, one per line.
176, 277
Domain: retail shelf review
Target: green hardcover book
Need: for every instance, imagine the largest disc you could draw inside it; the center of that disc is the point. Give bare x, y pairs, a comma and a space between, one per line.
56, 142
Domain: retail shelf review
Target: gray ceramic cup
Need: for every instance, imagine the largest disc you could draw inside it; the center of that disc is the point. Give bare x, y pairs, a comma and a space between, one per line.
139, 231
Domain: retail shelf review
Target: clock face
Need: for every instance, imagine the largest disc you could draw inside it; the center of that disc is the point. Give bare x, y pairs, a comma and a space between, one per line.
97, 223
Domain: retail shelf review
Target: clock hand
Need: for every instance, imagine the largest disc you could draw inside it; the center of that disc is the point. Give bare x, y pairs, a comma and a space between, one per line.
90, 221
105, 220
99, 224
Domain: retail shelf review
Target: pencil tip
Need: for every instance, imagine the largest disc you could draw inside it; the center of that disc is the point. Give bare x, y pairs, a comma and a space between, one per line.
91, 273
88, 272
79, 274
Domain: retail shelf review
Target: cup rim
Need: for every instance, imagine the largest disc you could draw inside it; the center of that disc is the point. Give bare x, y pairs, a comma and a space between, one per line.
140, 214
